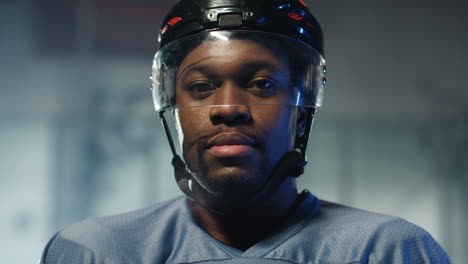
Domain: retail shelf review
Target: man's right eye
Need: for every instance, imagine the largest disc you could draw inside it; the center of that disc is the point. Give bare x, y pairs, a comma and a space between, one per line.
201, 87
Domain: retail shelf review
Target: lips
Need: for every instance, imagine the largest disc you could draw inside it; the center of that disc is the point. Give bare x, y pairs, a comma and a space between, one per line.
232, 144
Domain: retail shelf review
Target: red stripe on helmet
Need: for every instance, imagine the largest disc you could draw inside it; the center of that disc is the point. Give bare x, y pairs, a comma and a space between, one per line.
174, 21
295, 16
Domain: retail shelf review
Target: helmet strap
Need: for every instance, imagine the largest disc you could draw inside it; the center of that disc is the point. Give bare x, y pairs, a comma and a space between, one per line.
291, 164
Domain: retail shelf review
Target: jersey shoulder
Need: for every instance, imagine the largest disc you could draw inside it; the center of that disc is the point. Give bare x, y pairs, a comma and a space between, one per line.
357, 222
368, 237
122, 236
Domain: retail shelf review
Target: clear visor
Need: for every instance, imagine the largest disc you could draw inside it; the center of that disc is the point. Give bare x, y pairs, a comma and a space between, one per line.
237, 68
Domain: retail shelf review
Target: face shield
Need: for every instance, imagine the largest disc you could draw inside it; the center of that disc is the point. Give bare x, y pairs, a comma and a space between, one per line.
192, 71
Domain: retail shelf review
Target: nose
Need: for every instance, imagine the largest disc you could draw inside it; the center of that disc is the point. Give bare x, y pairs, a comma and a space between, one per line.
231, 106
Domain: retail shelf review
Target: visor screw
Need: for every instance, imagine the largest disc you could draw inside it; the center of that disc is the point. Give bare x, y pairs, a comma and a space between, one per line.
324, 81
211, 16
324, 70
249, 14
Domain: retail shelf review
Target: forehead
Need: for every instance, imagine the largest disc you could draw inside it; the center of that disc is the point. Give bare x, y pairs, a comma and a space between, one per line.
223, 54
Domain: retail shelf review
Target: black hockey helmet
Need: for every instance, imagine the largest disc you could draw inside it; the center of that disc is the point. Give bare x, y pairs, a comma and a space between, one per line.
291, 18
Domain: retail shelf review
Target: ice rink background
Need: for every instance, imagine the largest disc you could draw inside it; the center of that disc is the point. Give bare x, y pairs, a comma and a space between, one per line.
79, 138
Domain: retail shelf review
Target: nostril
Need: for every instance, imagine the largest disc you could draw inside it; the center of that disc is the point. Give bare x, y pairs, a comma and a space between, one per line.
241, 118
230, 115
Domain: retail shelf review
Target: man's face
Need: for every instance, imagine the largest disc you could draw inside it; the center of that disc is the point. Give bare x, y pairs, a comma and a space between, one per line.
245, 126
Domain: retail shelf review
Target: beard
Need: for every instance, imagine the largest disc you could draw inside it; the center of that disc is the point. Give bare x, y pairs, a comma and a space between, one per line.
231, 189
233, 184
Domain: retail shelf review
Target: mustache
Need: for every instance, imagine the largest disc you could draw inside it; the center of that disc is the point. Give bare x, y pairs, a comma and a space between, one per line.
257, 136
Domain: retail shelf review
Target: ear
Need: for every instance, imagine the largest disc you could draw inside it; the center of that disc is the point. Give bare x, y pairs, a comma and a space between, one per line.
302, 116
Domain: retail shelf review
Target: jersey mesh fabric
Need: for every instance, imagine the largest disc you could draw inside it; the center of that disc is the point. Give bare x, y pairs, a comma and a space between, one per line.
317, 232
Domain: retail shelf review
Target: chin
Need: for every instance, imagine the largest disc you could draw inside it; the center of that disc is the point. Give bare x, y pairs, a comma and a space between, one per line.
235, 179
230, 184
233, 183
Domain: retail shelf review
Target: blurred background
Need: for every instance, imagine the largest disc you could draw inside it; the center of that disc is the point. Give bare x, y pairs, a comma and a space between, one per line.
79, 137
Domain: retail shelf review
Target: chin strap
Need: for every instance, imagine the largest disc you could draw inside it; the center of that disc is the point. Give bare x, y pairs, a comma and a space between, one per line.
291, 164
183, 176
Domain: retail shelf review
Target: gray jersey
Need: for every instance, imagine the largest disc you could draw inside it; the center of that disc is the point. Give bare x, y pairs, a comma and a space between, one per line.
317, 232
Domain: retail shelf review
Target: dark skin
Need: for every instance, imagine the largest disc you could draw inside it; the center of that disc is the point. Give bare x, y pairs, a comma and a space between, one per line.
244, 229
234, 146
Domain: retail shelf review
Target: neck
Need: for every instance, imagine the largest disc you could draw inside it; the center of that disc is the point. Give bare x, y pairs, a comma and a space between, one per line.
242, 229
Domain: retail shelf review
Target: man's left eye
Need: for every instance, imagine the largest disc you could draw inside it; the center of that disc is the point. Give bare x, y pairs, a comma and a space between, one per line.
262, 84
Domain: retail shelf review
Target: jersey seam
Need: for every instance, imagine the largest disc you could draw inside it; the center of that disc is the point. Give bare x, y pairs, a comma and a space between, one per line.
220, 246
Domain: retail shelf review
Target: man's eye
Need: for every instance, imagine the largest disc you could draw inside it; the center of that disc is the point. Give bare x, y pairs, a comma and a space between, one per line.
263, 87
201, 87
262, 84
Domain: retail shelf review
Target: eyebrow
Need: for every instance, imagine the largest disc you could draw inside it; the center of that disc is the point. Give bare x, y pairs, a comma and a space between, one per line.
246, 68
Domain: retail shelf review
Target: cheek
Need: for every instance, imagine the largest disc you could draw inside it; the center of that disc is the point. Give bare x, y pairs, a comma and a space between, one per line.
279, 126
189, 125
